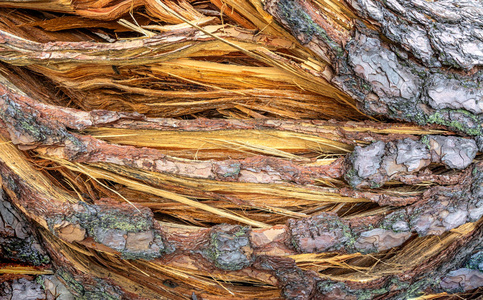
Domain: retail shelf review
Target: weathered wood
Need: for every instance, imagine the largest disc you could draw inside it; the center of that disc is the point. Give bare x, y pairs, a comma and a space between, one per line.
295, 193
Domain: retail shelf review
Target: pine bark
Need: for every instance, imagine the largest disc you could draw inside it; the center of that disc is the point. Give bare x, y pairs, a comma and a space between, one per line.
303, 150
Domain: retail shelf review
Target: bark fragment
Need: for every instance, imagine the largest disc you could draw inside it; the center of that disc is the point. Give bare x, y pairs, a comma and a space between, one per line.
444, 210
230, 247
120, 228
376, 164
42, 287
427, 240
462, 279
22, 289
386, 86
437, 33
17, 239
386, 81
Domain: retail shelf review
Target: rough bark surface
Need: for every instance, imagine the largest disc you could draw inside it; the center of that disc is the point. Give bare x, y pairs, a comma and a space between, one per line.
274, 182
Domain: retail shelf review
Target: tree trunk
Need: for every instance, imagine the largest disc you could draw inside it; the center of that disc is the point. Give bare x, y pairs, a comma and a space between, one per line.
292, 149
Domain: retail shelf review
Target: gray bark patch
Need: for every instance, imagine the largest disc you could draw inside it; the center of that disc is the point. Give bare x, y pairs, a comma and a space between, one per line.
462, 279
229, 247
437, 32
373, 165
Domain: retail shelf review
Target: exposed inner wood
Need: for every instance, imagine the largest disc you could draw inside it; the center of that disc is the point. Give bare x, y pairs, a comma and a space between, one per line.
163, 149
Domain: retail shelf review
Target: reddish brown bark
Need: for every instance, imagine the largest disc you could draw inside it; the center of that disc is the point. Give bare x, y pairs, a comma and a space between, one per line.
130, 204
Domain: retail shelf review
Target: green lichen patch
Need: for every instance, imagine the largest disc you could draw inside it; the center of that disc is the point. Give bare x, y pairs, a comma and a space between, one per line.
425, 140
29, 130
233, 171
121, 228
25, 250
459, 120
123, 222
475, 262
399, 289
83, 291
27, 124
18, 241
396, 221
72, 284
229, 247
303, 26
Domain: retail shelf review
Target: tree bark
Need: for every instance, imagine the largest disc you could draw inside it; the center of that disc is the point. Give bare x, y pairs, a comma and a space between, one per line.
241, 149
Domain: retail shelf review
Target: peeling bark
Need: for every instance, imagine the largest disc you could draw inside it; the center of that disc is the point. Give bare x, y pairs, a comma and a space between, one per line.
410, 78
232, 248
355, 209
120, 229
